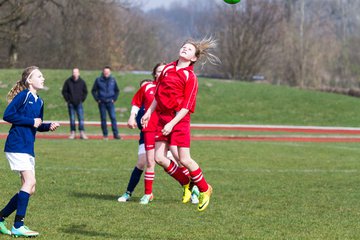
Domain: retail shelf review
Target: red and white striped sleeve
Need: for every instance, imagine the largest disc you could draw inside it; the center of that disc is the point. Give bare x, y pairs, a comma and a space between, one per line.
191, 89
138, 97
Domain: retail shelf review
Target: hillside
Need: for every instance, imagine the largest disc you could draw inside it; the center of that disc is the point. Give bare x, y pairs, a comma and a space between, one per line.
218, 101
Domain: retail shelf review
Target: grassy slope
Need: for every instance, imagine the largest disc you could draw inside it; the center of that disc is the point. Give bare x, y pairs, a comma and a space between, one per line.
218, 101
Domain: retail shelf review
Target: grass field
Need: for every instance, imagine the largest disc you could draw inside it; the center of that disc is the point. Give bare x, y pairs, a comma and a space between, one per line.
262, 190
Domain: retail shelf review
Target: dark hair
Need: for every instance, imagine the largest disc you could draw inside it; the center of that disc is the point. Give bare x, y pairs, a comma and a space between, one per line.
107, 67
156, 66
145, 80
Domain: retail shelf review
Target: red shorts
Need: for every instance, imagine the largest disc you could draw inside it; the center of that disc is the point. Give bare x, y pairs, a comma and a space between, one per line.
180, 134
152, 124
149, 138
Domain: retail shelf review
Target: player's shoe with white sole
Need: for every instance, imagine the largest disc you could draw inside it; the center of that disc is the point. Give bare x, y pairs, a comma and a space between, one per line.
125, 197
146, 199
195, 195
204, 199
3, 228
186, 193
23, 231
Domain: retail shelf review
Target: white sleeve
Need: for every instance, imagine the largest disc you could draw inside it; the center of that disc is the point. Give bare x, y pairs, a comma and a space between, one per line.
135, 109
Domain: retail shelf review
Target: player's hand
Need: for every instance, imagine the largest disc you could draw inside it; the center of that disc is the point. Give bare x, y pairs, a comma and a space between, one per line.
167, 129
145, 119
132, 123
54, 126
37, 122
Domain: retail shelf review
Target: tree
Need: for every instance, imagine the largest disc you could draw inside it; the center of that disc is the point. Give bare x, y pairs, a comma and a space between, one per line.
14, 15
246, 33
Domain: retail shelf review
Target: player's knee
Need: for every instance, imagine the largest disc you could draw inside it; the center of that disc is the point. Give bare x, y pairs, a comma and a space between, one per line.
29, 186
185, 161
161, 160
32, 183
150, 163
140, 165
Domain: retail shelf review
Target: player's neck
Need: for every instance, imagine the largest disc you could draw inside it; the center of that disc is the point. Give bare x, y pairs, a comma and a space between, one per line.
33, 90
182, 63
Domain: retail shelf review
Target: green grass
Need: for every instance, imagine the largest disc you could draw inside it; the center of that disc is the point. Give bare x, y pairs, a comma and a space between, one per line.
262, 190
218, 101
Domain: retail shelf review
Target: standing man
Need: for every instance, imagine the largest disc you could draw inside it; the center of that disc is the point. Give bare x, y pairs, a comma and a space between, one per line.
75, 92
106, 92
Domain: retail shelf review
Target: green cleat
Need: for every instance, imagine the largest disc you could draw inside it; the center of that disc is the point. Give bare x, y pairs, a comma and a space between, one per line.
195, 195
186, 193
204, 199
146, 199
125, 197
23, 231
3, 228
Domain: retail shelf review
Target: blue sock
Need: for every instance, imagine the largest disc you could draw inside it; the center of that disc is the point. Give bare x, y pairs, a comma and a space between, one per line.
134, 179
9, 208
23, 200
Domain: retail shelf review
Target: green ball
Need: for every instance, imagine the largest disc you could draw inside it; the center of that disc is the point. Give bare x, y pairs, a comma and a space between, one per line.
232, 1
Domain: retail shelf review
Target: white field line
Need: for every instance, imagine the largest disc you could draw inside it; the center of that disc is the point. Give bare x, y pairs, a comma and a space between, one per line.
309, 145
228, 125
246, 170
274, 126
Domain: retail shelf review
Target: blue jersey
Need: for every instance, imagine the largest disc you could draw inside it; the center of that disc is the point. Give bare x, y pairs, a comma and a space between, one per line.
21, 113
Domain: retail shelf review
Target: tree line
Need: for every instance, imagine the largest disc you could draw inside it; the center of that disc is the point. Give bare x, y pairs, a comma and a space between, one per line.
304, 43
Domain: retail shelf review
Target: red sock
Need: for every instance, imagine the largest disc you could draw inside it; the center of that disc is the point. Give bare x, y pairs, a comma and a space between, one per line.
199, 180
185, 171
148, 182
176, 173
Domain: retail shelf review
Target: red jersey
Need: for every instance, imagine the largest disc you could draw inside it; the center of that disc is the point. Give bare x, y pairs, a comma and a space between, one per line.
176, 89
144, 96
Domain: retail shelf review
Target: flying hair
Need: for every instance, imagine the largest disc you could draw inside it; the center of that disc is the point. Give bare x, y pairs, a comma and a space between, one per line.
204, 47
21, 84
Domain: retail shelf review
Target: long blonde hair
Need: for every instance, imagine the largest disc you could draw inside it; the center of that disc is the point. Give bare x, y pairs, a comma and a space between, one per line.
203, 50
21, 84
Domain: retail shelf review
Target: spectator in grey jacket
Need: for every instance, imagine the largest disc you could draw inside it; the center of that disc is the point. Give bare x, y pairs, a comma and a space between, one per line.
75, 92
105, 91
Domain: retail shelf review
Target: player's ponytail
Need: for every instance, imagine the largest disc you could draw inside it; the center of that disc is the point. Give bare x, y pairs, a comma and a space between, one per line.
203, 50
21, 84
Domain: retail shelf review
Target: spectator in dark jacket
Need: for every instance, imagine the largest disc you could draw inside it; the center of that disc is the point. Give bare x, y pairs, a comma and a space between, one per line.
75, 92
106, 92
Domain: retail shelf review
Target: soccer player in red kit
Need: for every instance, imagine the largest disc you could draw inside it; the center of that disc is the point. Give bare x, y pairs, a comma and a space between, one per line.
146, 155
175, 100
143, 98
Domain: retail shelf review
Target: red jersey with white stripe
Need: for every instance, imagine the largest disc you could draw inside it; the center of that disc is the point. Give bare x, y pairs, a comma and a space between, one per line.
144, 96
176, 89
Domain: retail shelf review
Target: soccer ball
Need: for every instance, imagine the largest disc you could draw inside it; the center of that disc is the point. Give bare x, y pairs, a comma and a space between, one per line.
232, 1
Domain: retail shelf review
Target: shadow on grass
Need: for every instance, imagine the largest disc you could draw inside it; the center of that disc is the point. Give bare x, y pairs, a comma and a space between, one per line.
112, 197
81, 229
100, 196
